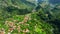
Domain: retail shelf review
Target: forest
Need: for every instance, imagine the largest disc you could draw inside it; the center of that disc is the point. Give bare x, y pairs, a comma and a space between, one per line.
29, 17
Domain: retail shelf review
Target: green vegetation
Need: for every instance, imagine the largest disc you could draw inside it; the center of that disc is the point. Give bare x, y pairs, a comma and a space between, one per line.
24, 17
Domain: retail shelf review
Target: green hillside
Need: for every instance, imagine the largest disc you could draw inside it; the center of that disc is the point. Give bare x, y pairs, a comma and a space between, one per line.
24, 17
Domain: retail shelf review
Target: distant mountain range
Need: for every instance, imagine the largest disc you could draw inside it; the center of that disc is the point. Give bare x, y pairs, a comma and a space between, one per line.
26, 3
50, 1
54, 1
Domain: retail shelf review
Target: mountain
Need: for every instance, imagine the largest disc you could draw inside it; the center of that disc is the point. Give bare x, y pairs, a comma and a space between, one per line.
20, 3
54, 1
16, 6
29, 17
50, 1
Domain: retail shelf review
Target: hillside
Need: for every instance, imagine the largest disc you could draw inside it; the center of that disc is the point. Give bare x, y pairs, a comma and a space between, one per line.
28, 17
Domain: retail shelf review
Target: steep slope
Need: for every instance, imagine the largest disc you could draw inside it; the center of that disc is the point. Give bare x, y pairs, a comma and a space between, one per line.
15, 3
16, 6
24, 17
